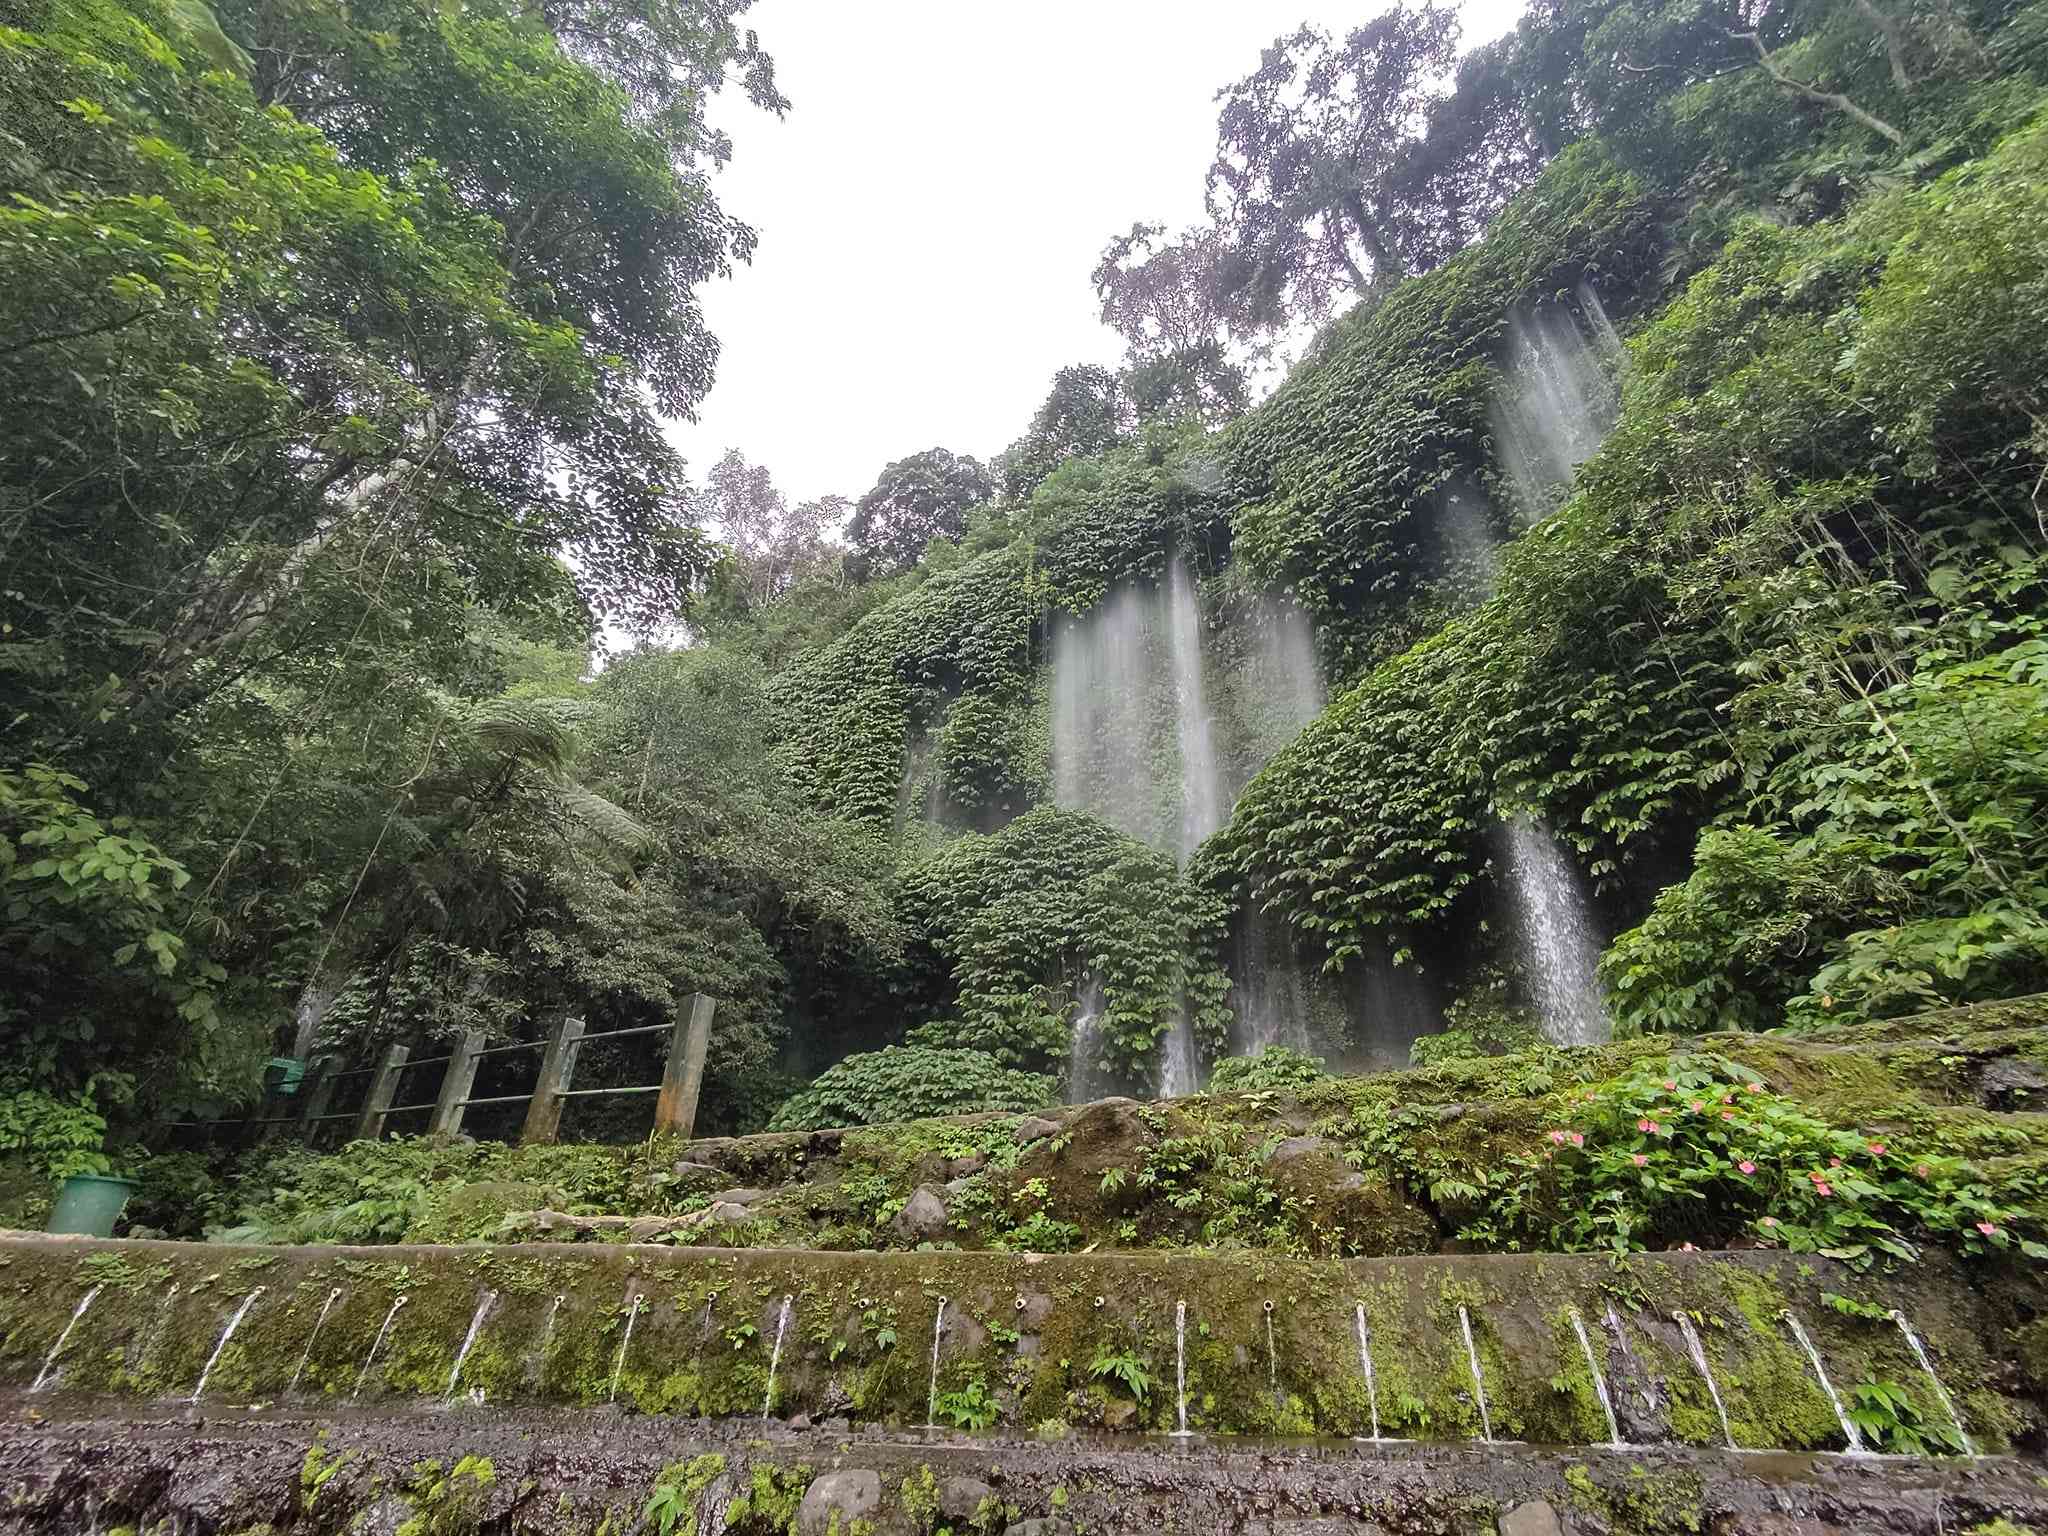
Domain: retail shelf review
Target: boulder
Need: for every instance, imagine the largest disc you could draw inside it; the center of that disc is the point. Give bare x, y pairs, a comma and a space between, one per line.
2013, 1082
1294, 1147
1535, 1518
739, 1197
961, 1498
963, 1167
1035, 1128
1039, 1525
834, 1501
724, 1213
923, 1216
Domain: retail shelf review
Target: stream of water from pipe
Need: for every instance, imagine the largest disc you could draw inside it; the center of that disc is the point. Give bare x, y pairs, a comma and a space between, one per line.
50, 1360
226, 1333
306, 1355
377, 1344
1478, 1376
484, 1303
1849, 1430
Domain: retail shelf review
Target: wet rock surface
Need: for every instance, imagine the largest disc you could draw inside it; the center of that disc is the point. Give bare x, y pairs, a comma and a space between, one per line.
73, 1465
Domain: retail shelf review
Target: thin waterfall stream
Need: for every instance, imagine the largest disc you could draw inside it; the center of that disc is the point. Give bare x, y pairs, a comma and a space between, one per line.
313, 1338
1849, 1430
226, 1333
1372, 1386
1478, 1376
50, 1360
1947, 1403
485, 1302
775, 1356
376, 1344
156, 1334
626, 1343
1599, 1379
1698, 1352
931, 1398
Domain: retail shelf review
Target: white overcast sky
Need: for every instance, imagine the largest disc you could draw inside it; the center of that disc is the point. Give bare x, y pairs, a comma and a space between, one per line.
931, 207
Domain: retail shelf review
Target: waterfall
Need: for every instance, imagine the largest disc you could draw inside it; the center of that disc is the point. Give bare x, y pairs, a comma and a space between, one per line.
1820, 1372
1180, 1072
1555, 928
1270, 991
1084, 1076
1201, 787
1558, 398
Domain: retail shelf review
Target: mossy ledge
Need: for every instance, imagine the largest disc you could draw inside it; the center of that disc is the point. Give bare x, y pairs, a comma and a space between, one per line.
1032, 1331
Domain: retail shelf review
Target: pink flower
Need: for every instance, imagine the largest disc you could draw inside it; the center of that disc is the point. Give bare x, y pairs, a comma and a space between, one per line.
1746, 1166
1640, 1159
1669, 1086
1687, 1248
1877, 1149
1770, 1221
1646, 1126
1578, 1138
1921, 1170
1834, 1162
1755, 1087
1558, 1137
1698, 1105
1727, 1114
1727, 1098
1822, 1190
1988, 1228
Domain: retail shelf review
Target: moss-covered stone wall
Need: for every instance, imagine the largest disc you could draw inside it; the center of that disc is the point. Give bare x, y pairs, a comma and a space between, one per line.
1031, 1341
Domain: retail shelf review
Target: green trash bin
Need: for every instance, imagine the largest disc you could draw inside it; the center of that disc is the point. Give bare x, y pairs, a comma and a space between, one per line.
89, 1204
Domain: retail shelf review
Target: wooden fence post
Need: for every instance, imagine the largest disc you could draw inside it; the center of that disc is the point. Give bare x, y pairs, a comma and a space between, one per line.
557, 1066
682, 1077
456, 1082
316, 1094
383, 1089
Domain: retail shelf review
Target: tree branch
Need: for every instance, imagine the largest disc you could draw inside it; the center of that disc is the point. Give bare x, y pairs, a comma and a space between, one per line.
1814, 93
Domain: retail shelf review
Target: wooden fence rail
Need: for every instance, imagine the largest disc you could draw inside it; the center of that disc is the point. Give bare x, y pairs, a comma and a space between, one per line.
675, 1107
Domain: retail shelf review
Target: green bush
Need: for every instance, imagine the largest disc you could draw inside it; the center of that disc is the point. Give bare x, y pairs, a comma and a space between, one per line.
1273, 1067
908, 1082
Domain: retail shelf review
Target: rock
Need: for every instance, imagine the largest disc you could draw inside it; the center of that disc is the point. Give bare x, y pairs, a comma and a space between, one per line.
1328, 1525
923, 1216
1039, 1525
739, 1197
686, 1169
1535, 1518
798, 1421
954, 1186
960, 1498
724, 1213
963, 1167
2013, 1082
848, 1496
1035, 1128
1295, 1147
1760, 1524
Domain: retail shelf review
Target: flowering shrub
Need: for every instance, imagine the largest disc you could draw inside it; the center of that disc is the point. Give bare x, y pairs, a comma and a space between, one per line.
1700, 1152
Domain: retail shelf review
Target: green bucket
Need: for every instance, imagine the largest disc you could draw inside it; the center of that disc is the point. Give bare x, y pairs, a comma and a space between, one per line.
89, 1204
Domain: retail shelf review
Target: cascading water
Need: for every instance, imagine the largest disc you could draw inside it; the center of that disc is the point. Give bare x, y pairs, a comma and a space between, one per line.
931, 1402
1559, 396
1478, 1376
1555, 928
1947, 1403
1201, 784
1084, 1074
50, 1360
1372, 1386
376, 1344
775, 1357
226, 1333
1849, 1431
484, 1303
626, 1343
1272, 1357
1599, 1378
1694, 1348
313, 1338
547, 1332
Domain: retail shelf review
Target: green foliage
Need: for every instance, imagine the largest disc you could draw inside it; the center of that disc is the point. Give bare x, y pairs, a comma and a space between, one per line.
672, 1501
58, 1136
1891, 1422
1274, 1067
1699, 1150
969, 1407
1125, 1371
1017, 923
904, 1082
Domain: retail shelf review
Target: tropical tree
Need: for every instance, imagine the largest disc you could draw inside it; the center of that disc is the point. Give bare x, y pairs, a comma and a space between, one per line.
924, 497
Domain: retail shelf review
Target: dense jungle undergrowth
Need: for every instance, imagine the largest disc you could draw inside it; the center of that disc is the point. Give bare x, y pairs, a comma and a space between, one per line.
336, 442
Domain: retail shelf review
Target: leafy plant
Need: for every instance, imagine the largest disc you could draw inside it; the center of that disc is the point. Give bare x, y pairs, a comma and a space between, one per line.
1885, 1414
1125, 1371
969, 1407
